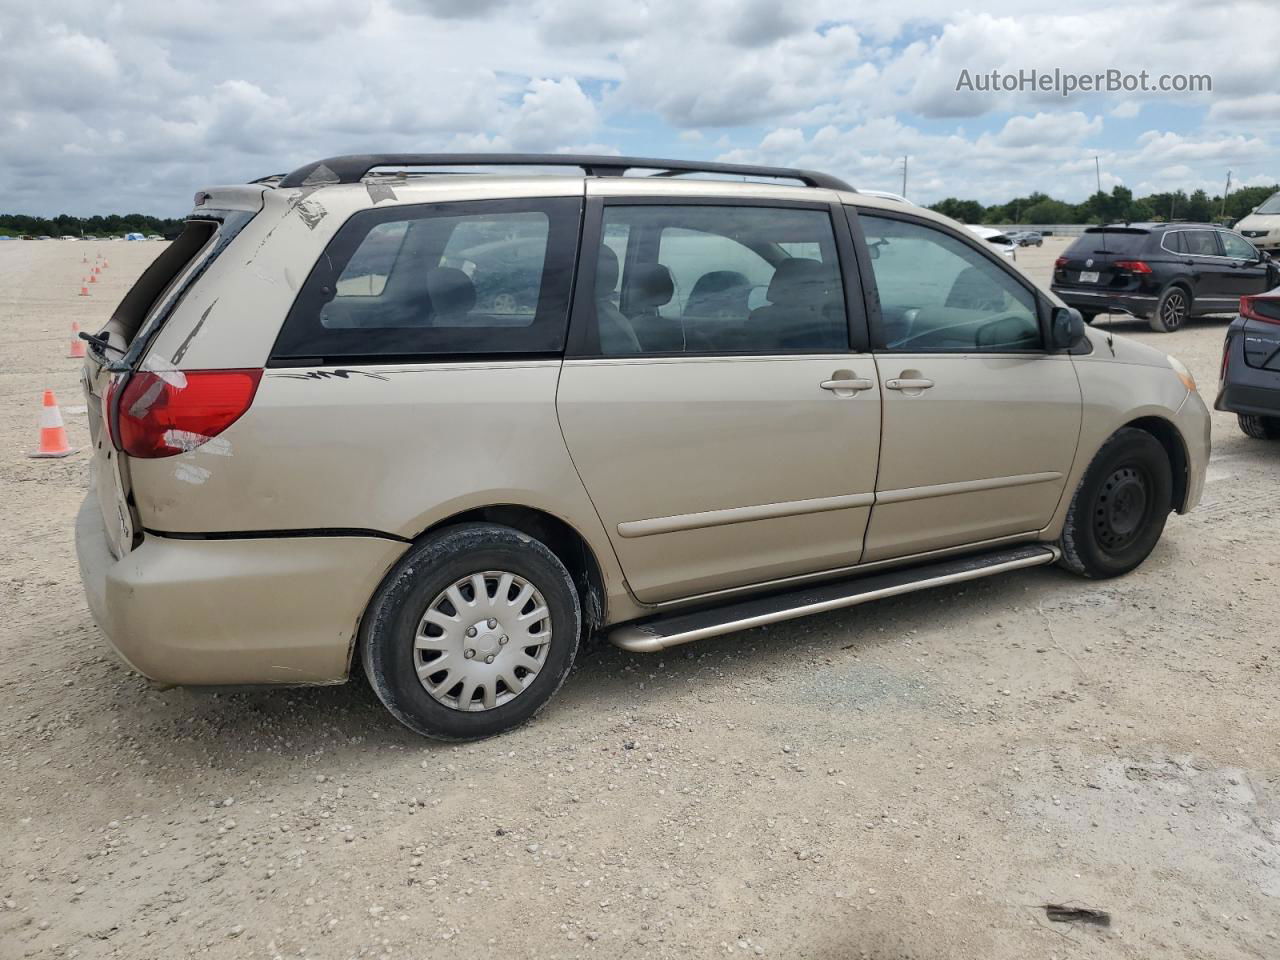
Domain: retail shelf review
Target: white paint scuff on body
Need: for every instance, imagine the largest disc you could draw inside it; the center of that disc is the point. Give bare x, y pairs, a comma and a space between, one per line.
191, 473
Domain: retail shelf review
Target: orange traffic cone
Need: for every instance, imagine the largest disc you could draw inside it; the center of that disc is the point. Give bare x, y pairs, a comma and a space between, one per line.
97, 269
77, 345
105, 264
53, 435
84, 291
93, 278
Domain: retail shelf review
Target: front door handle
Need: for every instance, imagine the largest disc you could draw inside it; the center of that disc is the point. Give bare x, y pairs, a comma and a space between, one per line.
908, 383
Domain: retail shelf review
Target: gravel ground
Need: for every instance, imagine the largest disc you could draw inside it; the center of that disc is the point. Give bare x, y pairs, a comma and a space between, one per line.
913, 778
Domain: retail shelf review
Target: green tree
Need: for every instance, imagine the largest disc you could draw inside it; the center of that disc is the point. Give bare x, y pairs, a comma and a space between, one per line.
1049, 210
1199, 207
966, 211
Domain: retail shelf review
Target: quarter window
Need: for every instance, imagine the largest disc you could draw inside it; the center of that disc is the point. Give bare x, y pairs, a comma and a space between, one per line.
717, 279
489, 277
938, 294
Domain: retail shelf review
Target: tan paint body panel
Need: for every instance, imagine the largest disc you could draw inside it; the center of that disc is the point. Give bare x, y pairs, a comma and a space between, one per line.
729, 464
999, 430
232, 611
1136, 382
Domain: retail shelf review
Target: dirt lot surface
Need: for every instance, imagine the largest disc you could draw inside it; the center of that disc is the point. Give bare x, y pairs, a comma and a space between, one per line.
913, 778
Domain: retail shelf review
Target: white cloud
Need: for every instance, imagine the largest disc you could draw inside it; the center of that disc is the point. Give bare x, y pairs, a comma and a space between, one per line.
1261, 108
1048, 128
133, 105
550, 112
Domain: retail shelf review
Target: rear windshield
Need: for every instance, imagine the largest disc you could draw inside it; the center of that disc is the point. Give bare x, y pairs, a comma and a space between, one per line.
147, 307
137, 303
1121, 242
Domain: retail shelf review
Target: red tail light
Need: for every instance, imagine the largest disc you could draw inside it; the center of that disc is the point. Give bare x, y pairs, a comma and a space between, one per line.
1266, 309
1060, 263
1133, 266
164, 413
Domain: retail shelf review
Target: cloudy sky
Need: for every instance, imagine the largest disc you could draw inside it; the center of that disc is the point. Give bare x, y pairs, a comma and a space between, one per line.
129, 105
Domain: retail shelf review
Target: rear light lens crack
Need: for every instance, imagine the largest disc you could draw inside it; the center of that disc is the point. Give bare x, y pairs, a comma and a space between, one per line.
164, 413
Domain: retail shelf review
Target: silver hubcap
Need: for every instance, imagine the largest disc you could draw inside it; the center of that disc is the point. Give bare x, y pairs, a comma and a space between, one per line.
482, 641
1174, 308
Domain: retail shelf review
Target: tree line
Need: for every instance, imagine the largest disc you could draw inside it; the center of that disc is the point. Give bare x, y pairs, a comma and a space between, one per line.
111, 225
1118, 205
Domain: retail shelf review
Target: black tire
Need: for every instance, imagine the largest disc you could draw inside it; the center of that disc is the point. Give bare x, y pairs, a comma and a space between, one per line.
387, 647
1171, 311
1119, 510
1260, 428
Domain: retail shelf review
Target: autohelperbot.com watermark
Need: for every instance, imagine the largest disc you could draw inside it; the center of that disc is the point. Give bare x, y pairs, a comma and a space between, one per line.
1066, 83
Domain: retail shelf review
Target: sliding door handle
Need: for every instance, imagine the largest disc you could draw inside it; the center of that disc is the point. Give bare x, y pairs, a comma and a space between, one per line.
853, 383
908, 383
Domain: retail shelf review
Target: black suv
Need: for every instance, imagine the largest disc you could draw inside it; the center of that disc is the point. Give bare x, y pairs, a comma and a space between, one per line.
1161, 272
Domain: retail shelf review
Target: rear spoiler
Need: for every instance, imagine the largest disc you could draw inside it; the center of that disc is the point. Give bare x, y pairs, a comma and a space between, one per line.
243, 197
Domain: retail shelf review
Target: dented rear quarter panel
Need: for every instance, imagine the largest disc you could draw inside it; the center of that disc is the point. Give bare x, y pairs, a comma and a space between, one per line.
392, 448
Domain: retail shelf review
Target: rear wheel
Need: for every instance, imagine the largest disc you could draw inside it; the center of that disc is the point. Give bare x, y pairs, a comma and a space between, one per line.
1172, 310
472, 633
1260, 428
1118, 511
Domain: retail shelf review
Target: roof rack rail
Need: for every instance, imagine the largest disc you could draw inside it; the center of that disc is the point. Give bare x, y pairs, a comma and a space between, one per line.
353, 167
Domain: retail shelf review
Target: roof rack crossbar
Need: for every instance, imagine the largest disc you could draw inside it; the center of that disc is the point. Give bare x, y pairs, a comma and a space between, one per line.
353, 167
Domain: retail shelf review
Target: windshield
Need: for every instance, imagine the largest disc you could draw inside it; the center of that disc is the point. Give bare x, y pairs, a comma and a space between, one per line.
1120, 241
1270, 205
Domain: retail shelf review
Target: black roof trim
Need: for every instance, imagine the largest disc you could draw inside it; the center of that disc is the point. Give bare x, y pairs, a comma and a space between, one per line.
1149, 226
353, 167
1118, 228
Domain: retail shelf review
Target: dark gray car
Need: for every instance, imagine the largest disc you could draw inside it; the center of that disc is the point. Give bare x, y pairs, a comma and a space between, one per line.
1250, 383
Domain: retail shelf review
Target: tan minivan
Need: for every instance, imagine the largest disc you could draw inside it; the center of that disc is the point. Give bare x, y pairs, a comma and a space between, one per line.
450, 424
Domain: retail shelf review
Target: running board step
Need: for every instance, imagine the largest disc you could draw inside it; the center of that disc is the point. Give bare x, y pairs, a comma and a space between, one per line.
658, 633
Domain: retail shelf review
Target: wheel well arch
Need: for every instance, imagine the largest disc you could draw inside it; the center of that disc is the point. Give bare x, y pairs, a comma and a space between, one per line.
561, 538
1176, 449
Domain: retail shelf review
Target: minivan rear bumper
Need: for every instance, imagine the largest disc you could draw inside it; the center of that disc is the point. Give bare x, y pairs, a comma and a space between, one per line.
269, 610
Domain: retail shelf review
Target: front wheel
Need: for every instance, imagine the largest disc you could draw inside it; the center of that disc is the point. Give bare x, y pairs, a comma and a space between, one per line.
472, 633
1260, 428
1172, 310
1118, 511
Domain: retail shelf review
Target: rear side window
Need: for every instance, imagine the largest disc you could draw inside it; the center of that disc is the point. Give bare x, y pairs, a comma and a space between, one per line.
720, 279
1200, 243
1120, 243
439, 280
